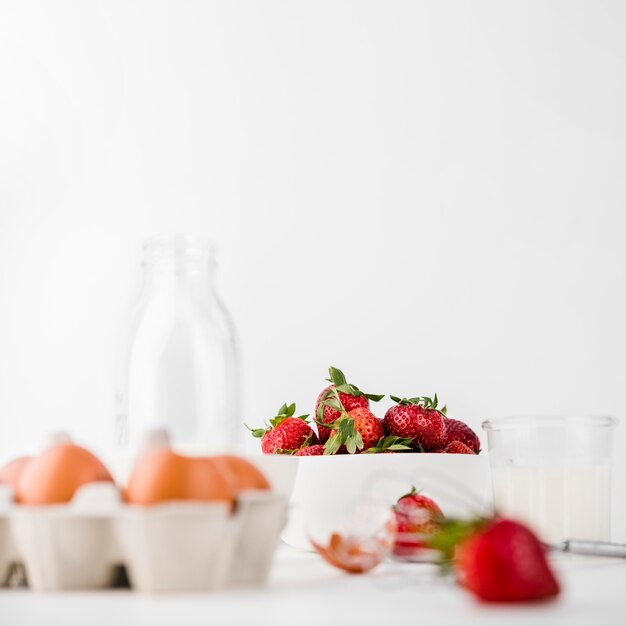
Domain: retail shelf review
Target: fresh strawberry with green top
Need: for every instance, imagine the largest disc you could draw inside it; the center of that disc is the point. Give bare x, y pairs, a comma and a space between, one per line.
458, 447
358, 430
350, 397
505, 562
354, 431
456, 430
285, 433
417, 518
316, 450
417, 419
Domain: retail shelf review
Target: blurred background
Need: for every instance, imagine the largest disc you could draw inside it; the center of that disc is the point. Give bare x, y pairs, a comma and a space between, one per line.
429, 195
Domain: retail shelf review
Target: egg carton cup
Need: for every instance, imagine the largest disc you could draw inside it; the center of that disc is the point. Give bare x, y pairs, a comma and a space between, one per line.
170, 547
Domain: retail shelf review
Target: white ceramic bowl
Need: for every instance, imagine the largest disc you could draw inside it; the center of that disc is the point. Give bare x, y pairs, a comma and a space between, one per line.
326, 489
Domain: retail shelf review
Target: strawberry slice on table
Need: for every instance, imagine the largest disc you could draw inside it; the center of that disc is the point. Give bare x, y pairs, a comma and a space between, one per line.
350, 397
417, 517
285, 433
418, 419
456, 430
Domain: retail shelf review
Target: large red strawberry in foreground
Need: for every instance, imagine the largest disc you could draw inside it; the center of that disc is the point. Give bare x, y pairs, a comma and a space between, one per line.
285, 433
497, 559
350, 397
505, 562
417, 419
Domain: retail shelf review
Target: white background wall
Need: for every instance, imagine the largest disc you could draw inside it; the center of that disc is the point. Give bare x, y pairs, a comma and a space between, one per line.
431, 196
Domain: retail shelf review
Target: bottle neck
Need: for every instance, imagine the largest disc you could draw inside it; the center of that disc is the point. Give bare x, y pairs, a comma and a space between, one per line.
178, 262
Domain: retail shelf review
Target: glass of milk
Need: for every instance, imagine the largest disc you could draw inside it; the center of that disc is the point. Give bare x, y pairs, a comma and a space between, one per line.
553, 473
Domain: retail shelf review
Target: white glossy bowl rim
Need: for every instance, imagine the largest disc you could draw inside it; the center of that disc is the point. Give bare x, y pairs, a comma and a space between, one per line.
548, 421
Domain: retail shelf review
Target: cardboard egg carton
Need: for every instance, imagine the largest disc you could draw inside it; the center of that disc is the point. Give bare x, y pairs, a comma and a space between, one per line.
170, 547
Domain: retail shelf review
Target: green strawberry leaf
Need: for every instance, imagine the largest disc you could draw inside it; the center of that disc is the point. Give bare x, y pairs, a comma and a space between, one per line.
345, 434
390, 443
320, 412
304, 418
424, 401
283, 451
451, 533
411, 493
374, 397
285, 411
256, 432
336, 376
345, 389
275, 421
307, 442
332, 445
333, 404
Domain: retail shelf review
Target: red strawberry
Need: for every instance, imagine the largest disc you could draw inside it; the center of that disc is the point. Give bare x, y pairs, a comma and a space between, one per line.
458, 447
357, 430
505, 562
316, 450
368, 426
350, 397
416, 516
418, 419
285, 433
457, 430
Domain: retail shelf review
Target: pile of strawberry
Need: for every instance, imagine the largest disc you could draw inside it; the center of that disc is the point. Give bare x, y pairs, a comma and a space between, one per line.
346, 425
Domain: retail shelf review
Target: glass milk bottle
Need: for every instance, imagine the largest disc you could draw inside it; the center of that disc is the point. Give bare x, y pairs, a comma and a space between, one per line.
179, 372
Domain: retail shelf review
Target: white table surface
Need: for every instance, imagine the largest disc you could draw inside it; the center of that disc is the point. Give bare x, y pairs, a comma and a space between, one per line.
303, 590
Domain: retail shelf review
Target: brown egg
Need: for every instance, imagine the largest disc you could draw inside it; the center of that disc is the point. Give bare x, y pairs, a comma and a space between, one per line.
241, 473
55, 475
161, 475
10, 473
